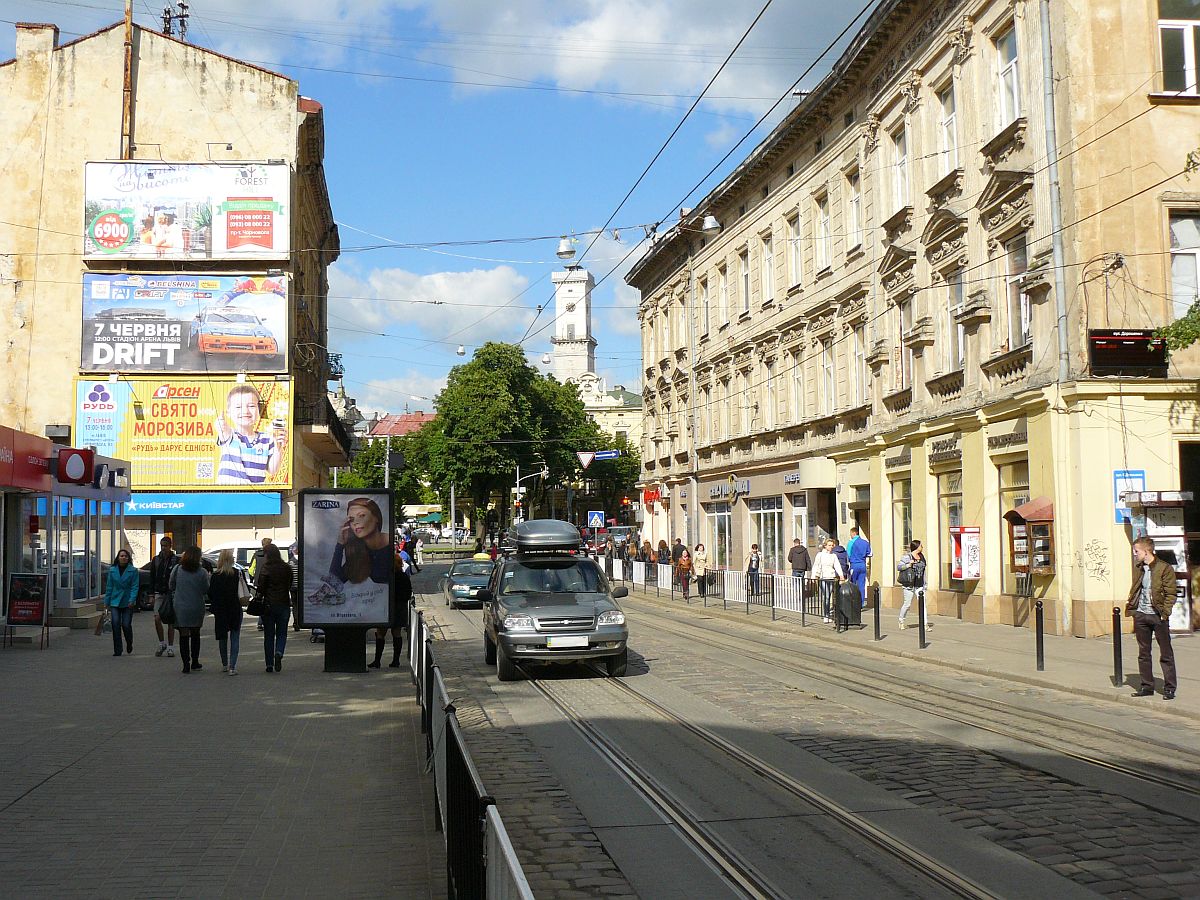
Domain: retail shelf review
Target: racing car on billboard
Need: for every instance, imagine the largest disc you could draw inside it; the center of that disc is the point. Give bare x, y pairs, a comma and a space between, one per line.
230, 329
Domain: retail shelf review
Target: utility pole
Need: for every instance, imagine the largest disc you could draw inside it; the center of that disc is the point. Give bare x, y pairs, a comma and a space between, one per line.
387, 464
453, 521
127, 87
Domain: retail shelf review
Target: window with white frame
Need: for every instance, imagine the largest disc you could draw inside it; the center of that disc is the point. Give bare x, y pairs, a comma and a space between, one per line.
769, 396
744, 402
1185, 262
899, 168
1019, 313
707, 425
723, 293
828, 377
794, 249
903, 353
744, 278
702, 290
768, 269
766, 522
854, 226
720, 530
726, 409
797, 387
956, 348
824, 244
1009, 76
859, 372
949, 130
1179, 40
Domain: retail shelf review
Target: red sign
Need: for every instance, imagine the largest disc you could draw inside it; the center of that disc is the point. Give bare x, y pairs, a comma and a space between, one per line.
75, 466
650, 495
6, 455
250, 221
26, 599
31, 461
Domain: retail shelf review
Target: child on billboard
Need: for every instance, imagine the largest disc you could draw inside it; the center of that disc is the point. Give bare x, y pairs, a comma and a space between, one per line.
248, 455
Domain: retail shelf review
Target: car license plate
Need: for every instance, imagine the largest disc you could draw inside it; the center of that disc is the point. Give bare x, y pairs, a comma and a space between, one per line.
473, 591
567, 640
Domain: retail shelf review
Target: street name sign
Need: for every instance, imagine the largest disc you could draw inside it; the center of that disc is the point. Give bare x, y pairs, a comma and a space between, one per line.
607, 454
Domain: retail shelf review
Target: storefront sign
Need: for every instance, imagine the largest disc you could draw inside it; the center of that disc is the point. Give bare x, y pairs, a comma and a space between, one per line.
213, 434
26, 599
346, 557
964, 553
902, 458
650, 495
731, 488
159, 210
1126, 480
1012, 439
31, 462
184, 323
6, 455
791, 478
199, 503
945, 449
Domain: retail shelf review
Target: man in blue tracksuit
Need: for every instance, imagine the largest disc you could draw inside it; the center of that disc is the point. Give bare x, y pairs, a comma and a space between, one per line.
860, 554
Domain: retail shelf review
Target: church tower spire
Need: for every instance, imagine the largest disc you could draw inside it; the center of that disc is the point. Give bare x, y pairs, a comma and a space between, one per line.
574, 346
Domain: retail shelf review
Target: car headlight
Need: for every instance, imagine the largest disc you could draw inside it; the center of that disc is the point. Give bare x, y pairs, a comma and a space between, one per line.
612, 617
518, 623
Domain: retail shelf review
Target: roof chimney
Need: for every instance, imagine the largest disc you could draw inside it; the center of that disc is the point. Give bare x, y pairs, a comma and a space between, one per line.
35, 37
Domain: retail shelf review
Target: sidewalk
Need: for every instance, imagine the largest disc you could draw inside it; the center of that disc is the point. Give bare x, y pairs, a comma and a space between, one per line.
1080, 666
125, 778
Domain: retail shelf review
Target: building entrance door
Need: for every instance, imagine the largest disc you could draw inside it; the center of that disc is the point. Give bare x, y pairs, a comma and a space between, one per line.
184, 531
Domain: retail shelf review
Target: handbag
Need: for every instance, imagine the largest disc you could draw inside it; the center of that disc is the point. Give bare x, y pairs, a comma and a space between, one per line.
243, 589
166, 612
257, 606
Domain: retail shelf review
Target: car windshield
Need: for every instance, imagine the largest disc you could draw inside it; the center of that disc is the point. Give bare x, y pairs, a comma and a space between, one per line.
472, 568
553, 576
239, 318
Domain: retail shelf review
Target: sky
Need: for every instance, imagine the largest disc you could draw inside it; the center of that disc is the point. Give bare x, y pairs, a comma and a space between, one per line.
484, 132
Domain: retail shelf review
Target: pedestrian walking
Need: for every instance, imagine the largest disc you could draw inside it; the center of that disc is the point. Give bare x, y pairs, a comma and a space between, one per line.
753, 567
843, 557
827, 570
678, 550
683, 572
275, 586
120, 597
1151, 599
700, 566
160, 575
189, 588
293, 562
225, 589
255, 564
664, 554
911, 575
420, 548
859, 552
799, 560
396, 620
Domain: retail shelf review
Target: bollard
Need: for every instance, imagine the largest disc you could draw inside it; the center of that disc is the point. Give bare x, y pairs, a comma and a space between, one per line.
1118, 669
921, 617
1038, 624
875, 592
803, 601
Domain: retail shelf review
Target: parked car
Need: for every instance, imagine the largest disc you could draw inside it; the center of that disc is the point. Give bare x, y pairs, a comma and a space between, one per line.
243, 552
464, 581
547, 604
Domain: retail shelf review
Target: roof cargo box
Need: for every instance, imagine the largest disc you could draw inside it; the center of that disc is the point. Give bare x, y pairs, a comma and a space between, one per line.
545, 536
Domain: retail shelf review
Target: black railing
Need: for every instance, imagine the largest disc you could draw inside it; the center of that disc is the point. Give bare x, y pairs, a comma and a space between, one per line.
466, 804
321, 412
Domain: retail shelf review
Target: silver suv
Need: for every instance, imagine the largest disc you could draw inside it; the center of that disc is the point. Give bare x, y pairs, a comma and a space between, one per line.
546, 604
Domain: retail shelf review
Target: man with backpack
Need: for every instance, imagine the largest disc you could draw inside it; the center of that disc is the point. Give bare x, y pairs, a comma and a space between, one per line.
911, 575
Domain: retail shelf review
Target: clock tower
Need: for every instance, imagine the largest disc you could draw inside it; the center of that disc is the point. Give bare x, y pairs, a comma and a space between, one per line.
574, 346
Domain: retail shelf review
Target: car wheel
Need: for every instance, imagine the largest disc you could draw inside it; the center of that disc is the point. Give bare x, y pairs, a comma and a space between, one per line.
506, 670
617, 665
489, 650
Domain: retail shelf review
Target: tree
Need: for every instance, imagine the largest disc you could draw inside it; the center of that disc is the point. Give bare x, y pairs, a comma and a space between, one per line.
367, 470
1184, 331
615, 478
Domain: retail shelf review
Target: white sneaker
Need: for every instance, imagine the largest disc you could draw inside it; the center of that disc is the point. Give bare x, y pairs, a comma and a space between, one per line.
902, 625
232, 671
224, 668
170, 651
826, 620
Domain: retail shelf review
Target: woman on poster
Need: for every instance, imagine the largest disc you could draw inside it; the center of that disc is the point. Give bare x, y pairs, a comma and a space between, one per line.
363, 550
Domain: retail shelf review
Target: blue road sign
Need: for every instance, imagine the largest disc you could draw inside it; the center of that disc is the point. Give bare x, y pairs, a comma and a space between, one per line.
595, 518
607, 454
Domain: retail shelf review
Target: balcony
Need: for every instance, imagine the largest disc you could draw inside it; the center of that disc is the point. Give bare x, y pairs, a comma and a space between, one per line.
322, 431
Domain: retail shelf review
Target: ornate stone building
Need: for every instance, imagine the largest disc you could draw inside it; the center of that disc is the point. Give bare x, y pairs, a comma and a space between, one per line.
897, 323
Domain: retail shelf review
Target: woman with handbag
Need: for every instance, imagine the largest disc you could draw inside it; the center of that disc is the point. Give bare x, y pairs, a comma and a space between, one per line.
683, 573
227, 589
189, 591
120, 596
275, 589
700, 567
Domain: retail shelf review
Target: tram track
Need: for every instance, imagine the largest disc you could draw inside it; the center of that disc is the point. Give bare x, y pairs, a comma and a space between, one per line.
986, 715
739, 872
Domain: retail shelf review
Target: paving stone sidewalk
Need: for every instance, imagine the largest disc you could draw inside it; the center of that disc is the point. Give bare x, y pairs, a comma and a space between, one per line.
124, 778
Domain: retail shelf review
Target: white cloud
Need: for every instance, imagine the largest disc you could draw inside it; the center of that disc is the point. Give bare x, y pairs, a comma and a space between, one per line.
413, 390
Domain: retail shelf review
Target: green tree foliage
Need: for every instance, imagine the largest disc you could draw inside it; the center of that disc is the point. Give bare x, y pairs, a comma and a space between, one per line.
1184, 331
367, 470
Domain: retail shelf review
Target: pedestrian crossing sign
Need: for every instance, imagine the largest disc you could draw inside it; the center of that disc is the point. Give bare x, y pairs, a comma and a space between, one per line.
596, 518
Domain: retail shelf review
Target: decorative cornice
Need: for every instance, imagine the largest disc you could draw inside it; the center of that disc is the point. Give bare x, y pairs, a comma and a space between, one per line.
959, 40
910, 90
1004, 146
870, 134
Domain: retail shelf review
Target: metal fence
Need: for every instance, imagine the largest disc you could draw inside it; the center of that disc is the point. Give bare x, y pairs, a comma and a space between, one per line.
480, 860
784, 595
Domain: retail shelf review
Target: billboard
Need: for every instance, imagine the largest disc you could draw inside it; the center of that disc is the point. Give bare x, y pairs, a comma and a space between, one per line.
191, 433
346, 557
158, 210
136, 322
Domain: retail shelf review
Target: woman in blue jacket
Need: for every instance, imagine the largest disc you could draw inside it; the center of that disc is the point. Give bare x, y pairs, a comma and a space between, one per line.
120, 596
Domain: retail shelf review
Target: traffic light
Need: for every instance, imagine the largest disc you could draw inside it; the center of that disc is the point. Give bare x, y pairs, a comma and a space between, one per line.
624, 501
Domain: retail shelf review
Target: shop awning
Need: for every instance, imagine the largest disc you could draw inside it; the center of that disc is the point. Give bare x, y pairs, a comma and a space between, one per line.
1039, 509
431, 519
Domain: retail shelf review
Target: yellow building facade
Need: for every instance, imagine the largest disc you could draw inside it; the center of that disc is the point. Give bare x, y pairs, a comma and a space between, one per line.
895, 312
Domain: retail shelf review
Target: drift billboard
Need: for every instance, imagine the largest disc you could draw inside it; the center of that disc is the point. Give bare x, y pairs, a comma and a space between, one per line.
157, 210
191, 433
184, 323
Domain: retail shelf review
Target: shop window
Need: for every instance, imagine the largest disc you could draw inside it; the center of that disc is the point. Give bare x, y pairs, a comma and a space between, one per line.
720, 527
766, 522
950, 515
902, 511
1014, 491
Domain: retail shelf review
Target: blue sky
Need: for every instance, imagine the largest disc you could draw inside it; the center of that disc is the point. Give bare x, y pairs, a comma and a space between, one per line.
471, 120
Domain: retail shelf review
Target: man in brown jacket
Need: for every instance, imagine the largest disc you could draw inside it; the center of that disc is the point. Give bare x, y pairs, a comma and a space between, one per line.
1151, 598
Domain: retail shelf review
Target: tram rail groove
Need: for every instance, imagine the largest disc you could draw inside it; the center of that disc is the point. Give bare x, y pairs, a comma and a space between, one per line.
914, 696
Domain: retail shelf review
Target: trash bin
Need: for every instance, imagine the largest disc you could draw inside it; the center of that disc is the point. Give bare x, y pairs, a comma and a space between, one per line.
849, 606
